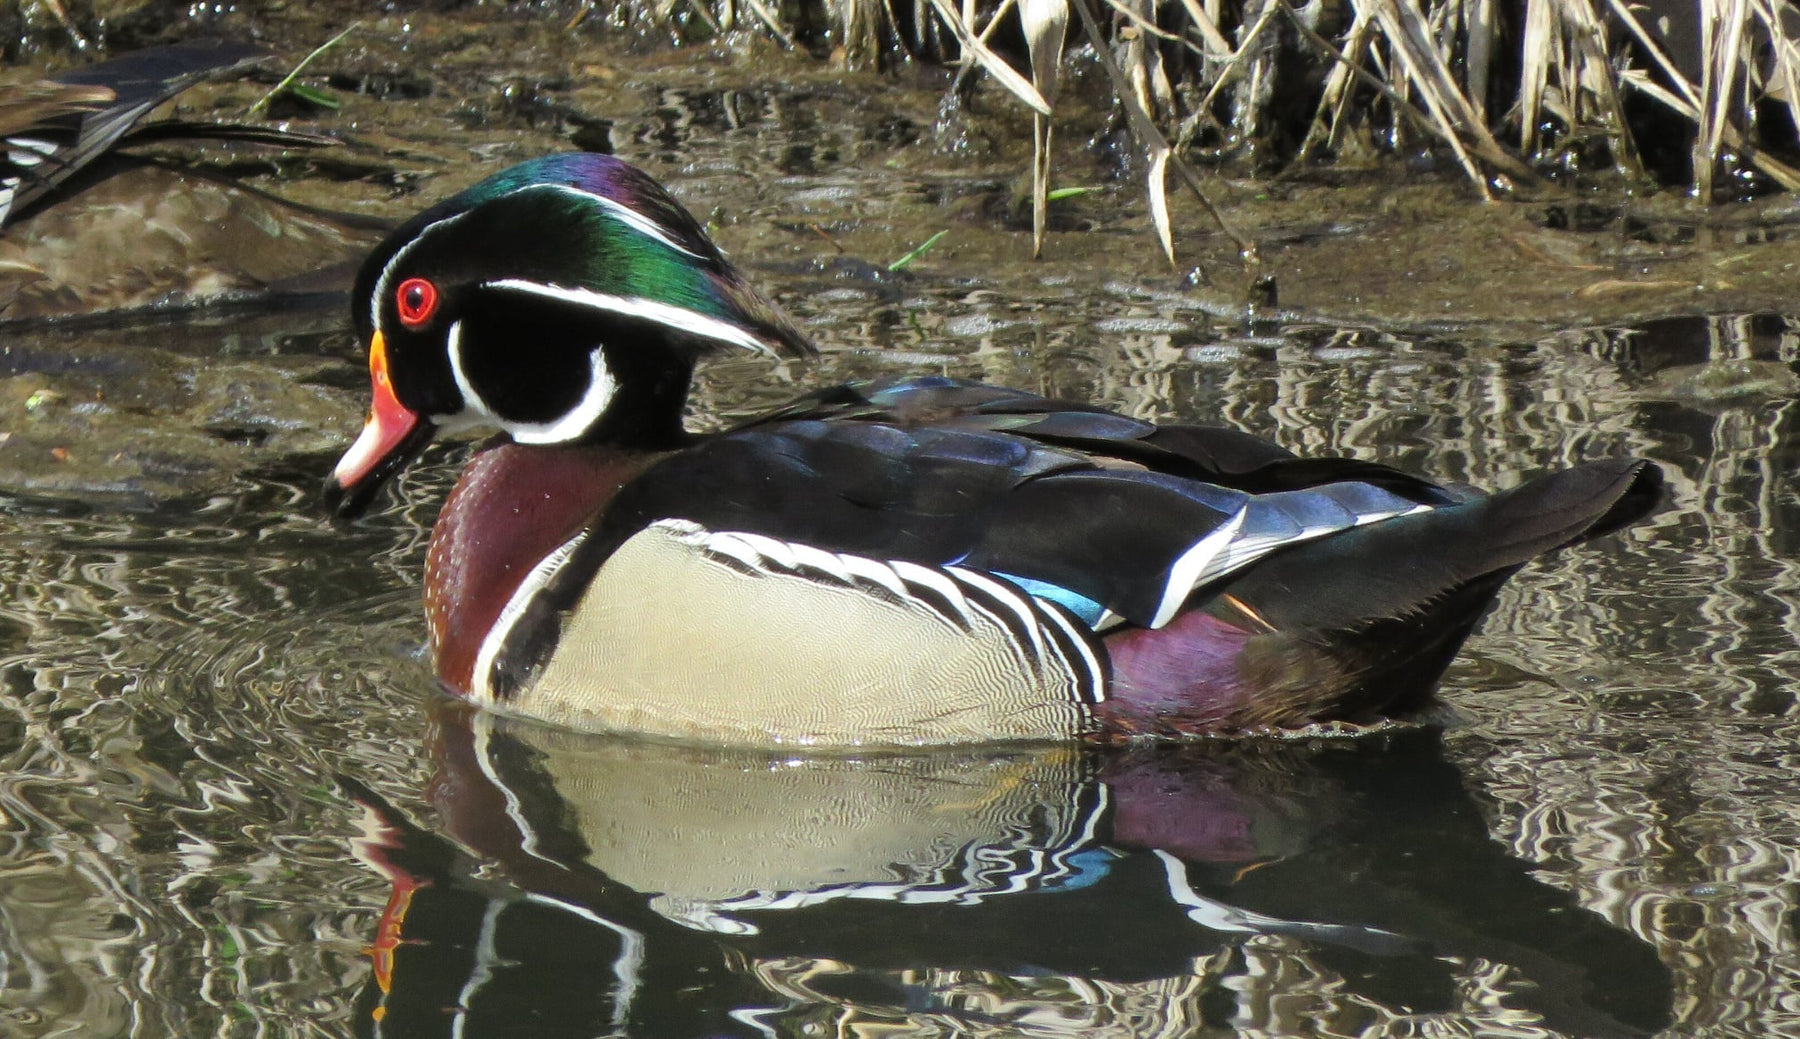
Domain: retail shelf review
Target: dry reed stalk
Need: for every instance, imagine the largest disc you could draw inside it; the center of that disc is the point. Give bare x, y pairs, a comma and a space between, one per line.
1046, 25
1721, 42
1685, 101
1207, 24
1251, 66
1480, 28
1536, 50
861, 22
996, 66
1394, 97
1331, 116
1145, 25
1567, 71
1595, 78
1231, 66
1433, 62
773, 23
1144, 61
1400, 22
1161, 155
964, 66
1781, 24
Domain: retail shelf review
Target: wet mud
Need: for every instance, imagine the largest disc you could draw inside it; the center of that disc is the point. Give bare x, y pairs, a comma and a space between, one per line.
814, 176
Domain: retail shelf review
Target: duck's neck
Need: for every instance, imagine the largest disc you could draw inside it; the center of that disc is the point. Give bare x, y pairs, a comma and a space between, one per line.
645, 412
512, 506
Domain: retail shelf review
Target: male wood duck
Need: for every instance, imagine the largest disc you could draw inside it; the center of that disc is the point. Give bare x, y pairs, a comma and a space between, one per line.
913, 561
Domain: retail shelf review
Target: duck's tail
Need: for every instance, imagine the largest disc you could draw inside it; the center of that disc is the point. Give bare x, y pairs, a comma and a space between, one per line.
1361, 624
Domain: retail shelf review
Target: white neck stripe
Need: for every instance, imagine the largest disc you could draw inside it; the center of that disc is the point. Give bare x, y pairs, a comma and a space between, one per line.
601, 389
666, 314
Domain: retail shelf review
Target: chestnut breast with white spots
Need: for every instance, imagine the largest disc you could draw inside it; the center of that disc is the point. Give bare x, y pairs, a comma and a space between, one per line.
512, 506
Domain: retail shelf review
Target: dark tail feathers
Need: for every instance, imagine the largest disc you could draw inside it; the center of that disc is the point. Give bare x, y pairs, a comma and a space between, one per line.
1402, 567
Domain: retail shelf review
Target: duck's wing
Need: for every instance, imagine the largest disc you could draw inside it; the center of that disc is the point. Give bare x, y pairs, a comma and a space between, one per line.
54, 128
1211, 454
1042, 583
1067, 525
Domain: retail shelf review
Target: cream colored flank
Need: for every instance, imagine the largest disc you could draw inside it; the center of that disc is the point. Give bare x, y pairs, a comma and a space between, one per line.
677, 639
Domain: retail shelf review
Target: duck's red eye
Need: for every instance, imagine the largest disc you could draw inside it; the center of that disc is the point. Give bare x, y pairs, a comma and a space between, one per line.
417, 300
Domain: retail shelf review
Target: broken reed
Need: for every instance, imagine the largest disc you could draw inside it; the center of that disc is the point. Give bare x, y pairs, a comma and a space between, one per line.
1681, 91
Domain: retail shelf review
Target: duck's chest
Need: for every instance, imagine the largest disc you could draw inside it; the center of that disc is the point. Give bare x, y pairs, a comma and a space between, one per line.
512, 506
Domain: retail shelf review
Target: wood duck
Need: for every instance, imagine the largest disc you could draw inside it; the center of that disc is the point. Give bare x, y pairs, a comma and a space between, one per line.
54, 127
143, 231
912, 561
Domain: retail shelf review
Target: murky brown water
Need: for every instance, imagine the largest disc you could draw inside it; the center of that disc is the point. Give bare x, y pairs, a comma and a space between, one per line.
1606, 839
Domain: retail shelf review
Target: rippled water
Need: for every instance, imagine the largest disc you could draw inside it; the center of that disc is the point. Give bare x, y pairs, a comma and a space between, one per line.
231, 802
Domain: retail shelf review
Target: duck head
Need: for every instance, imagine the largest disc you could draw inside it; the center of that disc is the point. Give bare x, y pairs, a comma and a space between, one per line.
564, 300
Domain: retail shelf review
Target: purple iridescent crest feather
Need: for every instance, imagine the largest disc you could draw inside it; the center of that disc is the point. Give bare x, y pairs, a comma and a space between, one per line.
606, 178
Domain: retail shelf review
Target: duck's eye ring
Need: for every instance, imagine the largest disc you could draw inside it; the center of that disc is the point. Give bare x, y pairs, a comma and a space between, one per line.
417, 300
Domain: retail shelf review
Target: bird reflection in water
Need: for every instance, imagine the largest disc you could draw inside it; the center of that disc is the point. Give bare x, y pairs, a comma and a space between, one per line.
587, 885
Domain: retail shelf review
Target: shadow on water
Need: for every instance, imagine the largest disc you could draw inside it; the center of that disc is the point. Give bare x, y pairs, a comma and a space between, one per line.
676, 891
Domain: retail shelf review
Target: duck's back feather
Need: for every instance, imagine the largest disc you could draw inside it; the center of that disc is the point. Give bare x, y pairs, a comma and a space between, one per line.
1134, 541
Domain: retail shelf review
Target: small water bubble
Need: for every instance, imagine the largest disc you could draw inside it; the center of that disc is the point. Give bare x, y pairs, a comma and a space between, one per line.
972, 325
1141, 324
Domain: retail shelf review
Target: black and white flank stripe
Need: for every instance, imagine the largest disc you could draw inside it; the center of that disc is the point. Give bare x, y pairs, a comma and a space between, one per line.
1043, 634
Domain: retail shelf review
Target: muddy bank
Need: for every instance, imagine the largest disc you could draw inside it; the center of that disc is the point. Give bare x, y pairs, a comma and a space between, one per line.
814, 177
861, 163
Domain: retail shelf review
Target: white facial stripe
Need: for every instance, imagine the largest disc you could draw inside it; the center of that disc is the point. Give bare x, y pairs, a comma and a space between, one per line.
631, 217
393, 264
626, 215
665, 314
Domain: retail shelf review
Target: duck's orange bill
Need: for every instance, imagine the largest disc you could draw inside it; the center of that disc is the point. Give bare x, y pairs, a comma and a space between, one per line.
389, 425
